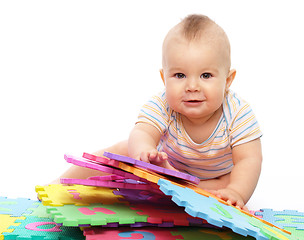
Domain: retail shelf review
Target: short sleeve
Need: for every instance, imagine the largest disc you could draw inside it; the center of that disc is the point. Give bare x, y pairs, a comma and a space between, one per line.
155, 112
244, 127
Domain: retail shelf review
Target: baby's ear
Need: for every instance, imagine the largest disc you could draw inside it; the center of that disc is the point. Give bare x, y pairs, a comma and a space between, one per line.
161, 71
230, 78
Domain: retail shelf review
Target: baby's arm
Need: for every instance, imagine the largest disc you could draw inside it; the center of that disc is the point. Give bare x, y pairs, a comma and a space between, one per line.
74, 171
142, 144
247, 159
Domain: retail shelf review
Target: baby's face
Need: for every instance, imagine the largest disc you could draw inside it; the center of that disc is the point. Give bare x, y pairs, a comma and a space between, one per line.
195, 76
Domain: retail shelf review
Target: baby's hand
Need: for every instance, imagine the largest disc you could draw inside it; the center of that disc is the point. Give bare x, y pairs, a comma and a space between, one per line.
232, 197
154, 157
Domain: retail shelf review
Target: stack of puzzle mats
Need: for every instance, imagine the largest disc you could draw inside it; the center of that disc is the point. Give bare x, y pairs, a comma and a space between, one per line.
136, 200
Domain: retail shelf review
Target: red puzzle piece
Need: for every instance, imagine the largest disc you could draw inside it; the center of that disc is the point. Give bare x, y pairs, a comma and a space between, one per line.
129, 233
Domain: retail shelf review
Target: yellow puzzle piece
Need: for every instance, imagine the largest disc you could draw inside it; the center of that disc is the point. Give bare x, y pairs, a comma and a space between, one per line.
79, 195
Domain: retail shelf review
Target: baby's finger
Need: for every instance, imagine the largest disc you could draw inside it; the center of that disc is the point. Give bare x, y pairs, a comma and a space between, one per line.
153, 155
163, 156
214, 192
246, 209
160, 158
144, 156
240, 204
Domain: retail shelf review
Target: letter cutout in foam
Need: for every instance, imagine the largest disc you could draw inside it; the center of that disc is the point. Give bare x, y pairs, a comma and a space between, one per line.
207, 208
87, 211
34, 227
144, 235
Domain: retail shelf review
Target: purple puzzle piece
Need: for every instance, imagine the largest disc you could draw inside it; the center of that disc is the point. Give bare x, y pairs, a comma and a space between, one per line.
135, 195
82, 162
153, 167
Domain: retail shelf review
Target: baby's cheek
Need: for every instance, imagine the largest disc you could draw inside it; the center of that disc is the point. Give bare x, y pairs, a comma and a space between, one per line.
171, 99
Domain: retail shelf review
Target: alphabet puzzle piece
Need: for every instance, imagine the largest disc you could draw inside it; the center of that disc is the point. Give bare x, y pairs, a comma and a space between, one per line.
59, 195
142, 173
40, 212
154, 178
131, 172
82, 162
95, 215
286, 218
292, 221
7, 221
164, 213
145, 207
160, 208
16, 207
109, 184
219, 214
102, 160
135, 196
153, 167
140, 212
107, 177
41, 229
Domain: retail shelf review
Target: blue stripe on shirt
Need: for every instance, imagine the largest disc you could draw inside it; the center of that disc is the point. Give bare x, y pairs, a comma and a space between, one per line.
153, 118
245, 130
243, 115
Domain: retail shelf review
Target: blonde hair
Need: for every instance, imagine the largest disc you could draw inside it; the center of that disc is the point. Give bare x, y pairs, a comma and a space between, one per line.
194, 25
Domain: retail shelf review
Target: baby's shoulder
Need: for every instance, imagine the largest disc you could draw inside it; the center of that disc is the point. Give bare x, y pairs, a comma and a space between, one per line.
158, 104
160, 100
234, 106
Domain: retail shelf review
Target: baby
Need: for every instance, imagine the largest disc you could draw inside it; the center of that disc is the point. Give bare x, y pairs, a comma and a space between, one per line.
197, 125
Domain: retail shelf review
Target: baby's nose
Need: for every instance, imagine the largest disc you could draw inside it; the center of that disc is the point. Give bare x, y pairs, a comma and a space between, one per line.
193, 85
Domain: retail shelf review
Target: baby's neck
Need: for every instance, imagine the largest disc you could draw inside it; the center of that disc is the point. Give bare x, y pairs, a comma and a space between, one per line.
199, 131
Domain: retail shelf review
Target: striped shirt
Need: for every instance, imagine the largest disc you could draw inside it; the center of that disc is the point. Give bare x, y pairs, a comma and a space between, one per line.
213, 157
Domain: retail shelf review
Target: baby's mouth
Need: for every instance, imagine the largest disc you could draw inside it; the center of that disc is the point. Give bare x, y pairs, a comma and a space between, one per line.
194, 101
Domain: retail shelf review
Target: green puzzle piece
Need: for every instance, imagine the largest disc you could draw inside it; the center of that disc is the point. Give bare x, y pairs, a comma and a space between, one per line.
40, 211
296, 233
290, 220
269, 231
95, 215
41, 229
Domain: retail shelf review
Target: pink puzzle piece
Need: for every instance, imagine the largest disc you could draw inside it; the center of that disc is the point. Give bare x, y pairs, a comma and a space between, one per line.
82, 162
109, 184
112, 177
105, 161
130, 233
114, 159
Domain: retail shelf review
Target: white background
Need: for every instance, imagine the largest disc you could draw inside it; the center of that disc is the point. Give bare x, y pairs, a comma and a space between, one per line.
73, 75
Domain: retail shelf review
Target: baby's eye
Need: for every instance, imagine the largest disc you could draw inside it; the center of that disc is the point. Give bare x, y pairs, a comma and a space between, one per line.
180, 75
206, 75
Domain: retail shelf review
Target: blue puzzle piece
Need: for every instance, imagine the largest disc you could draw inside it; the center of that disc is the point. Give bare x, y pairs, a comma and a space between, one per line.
210, 209
16, 207
34, 228
283, 219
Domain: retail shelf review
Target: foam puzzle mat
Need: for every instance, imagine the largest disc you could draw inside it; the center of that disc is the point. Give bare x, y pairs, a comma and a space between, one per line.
127, 206
167, 208
37, 223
